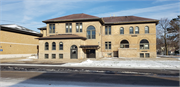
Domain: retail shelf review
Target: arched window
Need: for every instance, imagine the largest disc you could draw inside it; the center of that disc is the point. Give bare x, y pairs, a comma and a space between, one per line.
121, 30
53, 46
91, 32
61, 46
131, 30
137, 30
46, 46
146, 29
144, 44
124, 44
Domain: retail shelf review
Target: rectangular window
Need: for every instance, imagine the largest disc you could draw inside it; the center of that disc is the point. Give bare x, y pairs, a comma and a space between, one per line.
68, 27
107, 45
107, 30
60, 56
51, 28
78, 27
147, 55
46, 56
53, 56
141, 55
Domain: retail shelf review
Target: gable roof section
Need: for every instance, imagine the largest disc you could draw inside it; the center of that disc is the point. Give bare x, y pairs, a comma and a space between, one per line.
72, 17
62, 36
127, 19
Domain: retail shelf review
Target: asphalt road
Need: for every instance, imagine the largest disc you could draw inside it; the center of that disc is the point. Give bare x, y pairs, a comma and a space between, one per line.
42, 79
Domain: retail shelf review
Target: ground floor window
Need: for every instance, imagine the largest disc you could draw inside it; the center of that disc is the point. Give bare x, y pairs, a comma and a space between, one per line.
141, 55
144, 55
107, 45
46, 56
60, 56
53, 56
147, 55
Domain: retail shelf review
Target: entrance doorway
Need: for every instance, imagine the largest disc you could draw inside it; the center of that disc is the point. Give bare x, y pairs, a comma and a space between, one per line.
91, 53
74, 52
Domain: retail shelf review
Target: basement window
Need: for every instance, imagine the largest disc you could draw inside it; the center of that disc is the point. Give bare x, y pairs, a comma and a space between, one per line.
60, 56
53, 56
46, 56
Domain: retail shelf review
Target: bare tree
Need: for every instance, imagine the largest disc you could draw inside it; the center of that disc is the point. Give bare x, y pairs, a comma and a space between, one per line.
162, 27
174, 32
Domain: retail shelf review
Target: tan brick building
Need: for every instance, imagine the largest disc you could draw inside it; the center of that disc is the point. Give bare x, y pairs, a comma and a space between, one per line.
17, 41
80, 36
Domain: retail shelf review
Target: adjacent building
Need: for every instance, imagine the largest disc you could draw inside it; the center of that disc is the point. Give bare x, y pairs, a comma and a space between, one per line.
17, 41
80, 36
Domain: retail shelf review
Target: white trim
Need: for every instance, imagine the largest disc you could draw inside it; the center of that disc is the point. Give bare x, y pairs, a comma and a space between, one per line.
18, 43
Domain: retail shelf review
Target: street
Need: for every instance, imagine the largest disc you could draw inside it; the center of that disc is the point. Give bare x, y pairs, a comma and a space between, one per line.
76, 79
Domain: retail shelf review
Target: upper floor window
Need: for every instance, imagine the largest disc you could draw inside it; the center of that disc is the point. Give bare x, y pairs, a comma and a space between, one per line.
53, 46
107, 45
51, 28
131, 30
46, 46
107, 30
61, 46
146, 29
68, 27
78, 27
124, 44
137, 30
121, 30
144, 44
91, 32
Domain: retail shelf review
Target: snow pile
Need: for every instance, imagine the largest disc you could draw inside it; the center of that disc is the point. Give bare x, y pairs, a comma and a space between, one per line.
144, 64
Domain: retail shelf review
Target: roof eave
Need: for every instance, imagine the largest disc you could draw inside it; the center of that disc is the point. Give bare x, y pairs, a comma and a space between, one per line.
128, 22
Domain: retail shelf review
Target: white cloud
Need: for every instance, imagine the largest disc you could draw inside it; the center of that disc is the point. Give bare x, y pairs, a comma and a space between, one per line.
155, 10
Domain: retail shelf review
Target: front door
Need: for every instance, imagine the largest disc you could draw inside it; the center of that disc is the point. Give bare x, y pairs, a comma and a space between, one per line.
91, 53
74, 52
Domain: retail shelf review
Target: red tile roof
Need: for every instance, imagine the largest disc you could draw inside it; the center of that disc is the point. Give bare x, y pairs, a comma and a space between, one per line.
121, 19
73, 17
62, 36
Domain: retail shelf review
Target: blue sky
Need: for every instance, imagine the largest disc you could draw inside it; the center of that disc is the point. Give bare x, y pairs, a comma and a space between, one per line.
31, 13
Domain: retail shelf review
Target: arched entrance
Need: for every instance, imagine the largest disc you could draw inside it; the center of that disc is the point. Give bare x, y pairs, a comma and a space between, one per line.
74, 52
